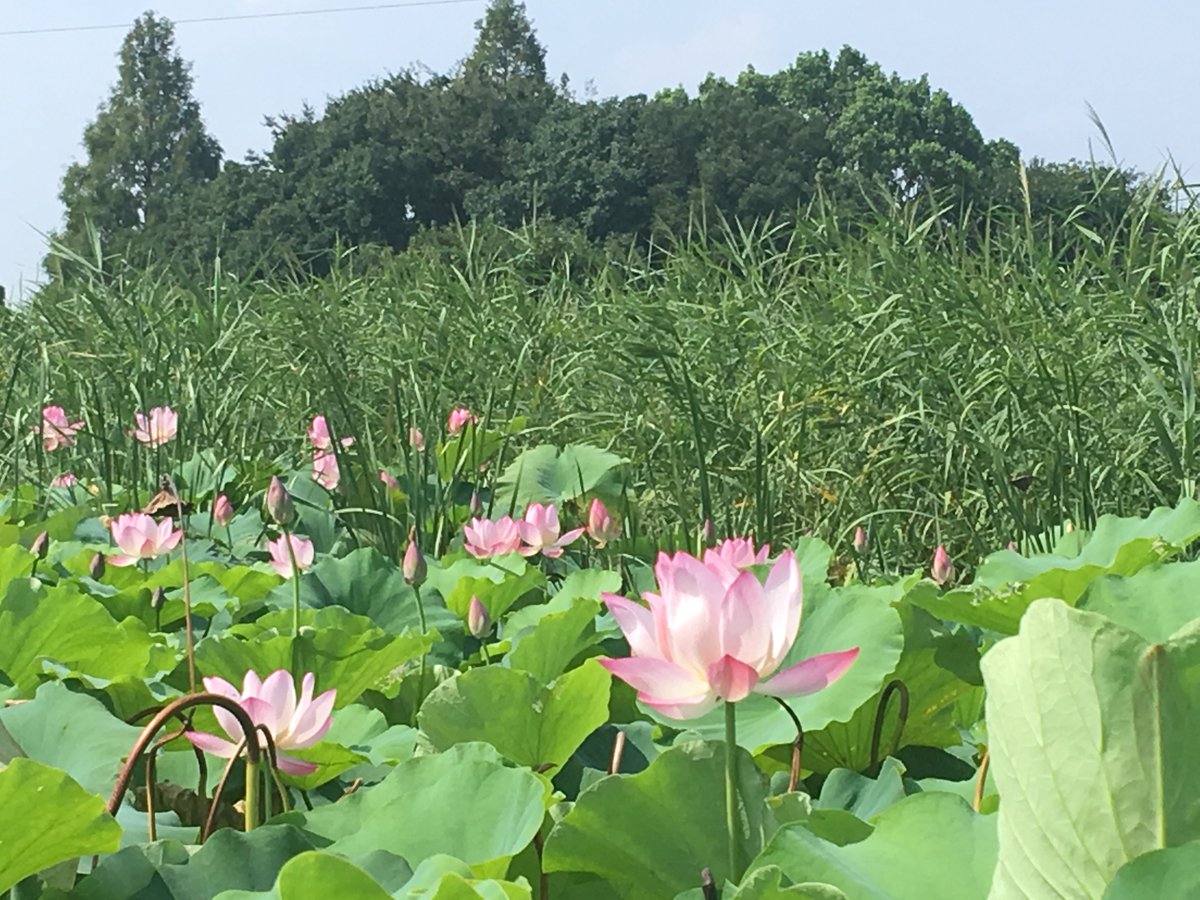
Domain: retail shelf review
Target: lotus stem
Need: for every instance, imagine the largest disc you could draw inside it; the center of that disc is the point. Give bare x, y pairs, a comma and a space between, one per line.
731, 812
895, 686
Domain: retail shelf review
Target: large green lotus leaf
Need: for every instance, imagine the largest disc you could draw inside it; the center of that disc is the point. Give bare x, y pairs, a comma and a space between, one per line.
545, 650
344, 651
1173, 872
864, 797
940, 669
1007, 582
544, 474
650, 834
71, 732
366, 583
166, 871
1156, 602
315, 876
463, 802
517, 579
834, 619
15, 563
582, 584
64, 626
451, 879
48, 819
767, 883
527, 722
1092, 737
930, 846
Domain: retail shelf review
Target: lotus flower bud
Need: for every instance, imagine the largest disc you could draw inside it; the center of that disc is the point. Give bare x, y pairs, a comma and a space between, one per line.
40, 546
601, 526
479, 621
942, 569
476, 505
414, 565
222, 510
708, 533
1012, 545
97, 567
280, 508
860, 540
157, 599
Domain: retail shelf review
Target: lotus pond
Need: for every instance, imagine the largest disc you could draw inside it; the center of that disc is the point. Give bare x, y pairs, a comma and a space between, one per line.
241, 679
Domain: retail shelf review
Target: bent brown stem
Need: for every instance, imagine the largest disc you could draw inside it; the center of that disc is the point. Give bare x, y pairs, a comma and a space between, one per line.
206, 829
186, 722
797, 745
895, 686
618, 750
151, 759
253, 753
981, 778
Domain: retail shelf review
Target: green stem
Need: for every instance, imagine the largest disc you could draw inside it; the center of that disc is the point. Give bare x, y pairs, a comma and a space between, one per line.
421, 673
731, 813
287, 539
251, 793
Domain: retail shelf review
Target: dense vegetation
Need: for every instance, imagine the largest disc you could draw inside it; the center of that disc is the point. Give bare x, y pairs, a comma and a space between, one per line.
497, 140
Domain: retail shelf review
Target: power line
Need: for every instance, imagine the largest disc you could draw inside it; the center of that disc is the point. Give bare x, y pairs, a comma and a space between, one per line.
239, 18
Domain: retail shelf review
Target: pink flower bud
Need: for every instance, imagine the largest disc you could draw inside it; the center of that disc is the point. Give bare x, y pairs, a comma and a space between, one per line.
389, 479
942, 569
416, 439
708, 533
476, 505
479, 621
41, 545
1012, 545
860, 540
460, 418
280, 508
97, 567
601, 527
222, 511
414, 566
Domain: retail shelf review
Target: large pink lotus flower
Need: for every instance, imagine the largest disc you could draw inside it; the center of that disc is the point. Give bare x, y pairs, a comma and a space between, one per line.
319, 437
293, 723
540, 531
715, 632
65, 480
282, 560
325, 470
140, 537
738, 552
56, 429
486, 538
460, 418
601, 526
156, 429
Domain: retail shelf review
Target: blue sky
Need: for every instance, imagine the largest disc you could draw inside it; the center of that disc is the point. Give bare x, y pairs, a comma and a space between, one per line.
1024, 69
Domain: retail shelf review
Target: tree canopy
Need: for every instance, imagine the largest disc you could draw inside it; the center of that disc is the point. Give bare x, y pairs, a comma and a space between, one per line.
495, 139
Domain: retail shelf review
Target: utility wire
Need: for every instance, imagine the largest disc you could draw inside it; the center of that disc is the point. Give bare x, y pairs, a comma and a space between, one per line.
240, 18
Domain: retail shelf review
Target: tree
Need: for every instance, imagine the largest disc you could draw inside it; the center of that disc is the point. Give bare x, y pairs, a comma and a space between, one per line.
146, 147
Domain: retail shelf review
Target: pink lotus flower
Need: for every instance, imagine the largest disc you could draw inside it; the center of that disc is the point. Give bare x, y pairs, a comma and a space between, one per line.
140, 537
738, 552
389, 479
57, 431
282, 561
486, 537
715, 632
459, 419
942, 569
156, 429
319, 437
479, 620
416, 439
540, 531
222, 511
293, 723
601, 527
325, 470
65, 480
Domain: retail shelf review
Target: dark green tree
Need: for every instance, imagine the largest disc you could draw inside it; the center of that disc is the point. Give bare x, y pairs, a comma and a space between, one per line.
146, 147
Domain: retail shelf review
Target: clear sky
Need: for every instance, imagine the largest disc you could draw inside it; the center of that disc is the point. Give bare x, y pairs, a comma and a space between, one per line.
1025, 69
